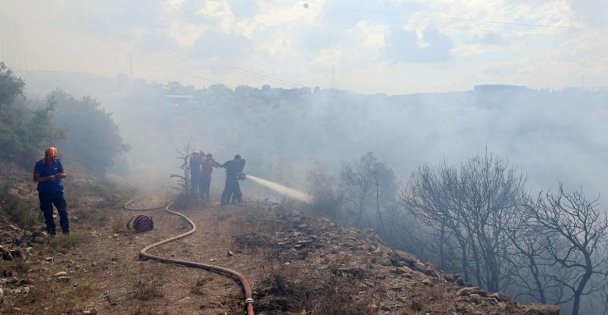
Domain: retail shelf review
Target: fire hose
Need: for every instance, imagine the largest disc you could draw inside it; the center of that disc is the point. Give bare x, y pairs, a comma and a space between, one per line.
217, 269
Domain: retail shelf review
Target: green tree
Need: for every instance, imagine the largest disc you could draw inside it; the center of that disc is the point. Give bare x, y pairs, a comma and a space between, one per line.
93, 138
23, 132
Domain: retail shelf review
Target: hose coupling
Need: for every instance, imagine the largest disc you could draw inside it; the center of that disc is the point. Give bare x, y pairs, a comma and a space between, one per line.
248, 301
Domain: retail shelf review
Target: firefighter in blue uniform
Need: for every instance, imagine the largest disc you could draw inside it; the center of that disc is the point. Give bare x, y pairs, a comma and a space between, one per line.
49, 175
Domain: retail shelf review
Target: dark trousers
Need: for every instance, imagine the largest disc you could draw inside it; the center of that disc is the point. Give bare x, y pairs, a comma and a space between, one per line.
47, 200
195, 184
232, 191
205, 185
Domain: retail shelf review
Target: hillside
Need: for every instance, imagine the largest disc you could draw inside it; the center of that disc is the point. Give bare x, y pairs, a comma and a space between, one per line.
297, 264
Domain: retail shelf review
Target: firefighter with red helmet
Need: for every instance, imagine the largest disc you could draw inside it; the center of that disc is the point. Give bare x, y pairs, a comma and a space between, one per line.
49, 175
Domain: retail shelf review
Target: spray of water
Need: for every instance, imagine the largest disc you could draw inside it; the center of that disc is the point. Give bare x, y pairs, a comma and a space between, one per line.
290, 192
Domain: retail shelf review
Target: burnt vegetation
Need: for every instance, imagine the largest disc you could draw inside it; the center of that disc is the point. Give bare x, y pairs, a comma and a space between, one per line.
478, 219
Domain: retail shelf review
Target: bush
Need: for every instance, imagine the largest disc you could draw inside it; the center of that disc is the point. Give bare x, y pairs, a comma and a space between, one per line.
23, 132
93, 138
20, 212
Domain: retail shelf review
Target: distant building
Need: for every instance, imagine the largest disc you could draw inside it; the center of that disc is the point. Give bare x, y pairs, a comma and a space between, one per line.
179, 100
494, 88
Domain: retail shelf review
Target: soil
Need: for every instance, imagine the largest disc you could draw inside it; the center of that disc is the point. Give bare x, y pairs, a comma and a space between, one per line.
296, 264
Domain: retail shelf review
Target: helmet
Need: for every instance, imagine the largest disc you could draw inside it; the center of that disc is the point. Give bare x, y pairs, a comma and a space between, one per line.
237, 157
209, 155
51, 152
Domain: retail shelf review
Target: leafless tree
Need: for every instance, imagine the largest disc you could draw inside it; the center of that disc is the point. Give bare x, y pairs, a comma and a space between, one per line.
470, 204
573, 228
369, 187
327, 200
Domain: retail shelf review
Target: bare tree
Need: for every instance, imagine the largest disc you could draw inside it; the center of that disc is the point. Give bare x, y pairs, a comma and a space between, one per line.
327, 200
573, 228
184, 182
369, 187
470, 204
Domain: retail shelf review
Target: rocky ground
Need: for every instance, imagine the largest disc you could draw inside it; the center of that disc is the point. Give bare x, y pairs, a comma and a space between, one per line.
297, 264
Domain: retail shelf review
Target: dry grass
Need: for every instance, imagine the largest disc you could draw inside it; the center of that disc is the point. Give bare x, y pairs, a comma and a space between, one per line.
119, 224
65, 242
22, 212
148, 290
280, 294
56, 298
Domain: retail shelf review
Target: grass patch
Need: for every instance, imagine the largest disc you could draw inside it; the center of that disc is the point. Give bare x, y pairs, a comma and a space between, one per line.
22, 212
17, 265
119, 224
64, 242
43, 302
148, 290
332, 295
253, 240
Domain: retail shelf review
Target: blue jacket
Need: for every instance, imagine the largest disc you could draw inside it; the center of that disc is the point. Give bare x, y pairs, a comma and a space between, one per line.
43, 168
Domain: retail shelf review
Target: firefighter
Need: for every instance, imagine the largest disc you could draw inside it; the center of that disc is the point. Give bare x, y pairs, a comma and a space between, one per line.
49, 175
234, 172
207, 165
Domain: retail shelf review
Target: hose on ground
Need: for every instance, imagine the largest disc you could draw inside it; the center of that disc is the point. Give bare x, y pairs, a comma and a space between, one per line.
217, 269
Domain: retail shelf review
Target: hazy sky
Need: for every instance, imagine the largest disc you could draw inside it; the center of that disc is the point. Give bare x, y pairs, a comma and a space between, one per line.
391, 46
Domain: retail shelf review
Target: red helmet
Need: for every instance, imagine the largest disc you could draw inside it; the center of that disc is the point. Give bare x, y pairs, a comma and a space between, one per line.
51, 152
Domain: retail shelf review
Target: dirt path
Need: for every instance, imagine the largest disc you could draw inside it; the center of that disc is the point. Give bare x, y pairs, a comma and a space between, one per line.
107, 276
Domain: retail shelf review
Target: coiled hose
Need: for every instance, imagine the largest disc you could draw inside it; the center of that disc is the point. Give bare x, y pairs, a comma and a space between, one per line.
217, 269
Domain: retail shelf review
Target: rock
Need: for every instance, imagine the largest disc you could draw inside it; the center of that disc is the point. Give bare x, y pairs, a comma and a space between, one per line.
471, 290
7, 255
13, 192
427, 282
229, 253
401, 259
110, 299
5, 273
541, 309
451, 277
475, 298
499, 296
184, 300
60, 274
48, 259
1, 293
24, 282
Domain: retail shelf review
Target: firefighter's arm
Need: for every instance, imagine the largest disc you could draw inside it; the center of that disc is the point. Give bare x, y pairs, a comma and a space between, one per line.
61, 173
38, 179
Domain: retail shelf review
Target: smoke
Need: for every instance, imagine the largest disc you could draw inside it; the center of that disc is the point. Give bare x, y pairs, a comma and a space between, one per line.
282, 189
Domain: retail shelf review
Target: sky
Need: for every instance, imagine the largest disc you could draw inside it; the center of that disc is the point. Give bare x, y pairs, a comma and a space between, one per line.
389, 46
